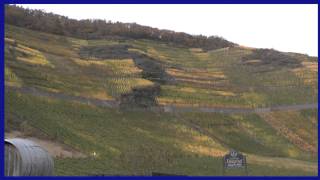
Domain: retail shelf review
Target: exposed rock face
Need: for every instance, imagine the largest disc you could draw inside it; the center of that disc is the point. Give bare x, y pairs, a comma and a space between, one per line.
272, 58
140, 97
152, 69
117, 51
145, 97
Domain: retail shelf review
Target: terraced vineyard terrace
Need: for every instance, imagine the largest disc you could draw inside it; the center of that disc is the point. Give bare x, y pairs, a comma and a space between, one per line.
120, 134
116, 101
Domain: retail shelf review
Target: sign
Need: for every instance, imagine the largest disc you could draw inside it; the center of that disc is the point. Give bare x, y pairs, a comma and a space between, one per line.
234, 160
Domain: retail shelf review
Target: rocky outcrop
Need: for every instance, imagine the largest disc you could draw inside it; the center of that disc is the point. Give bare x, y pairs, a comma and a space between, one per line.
117, 51
152, 69
140, 97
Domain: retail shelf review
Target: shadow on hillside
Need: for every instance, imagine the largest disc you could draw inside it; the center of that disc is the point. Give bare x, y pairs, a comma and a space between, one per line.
272, 58
152, 69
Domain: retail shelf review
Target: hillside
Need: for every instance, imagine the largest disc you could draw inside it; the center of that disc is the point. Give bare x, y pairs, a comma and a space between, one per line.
136, 105
101, 29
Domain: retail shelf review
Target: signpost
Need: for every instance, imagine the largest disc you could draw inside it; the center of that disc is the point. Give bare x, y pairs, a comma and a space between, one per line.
234, 160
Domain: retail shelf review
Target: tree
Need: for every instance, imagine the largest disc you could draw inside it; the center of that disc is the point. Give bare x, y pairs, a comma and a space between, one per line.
99, 29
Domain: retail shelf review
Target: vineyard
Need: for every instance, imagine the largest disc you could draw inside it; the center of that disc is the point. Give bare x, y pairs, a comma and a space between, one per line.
169, 143
217, 78
128, 71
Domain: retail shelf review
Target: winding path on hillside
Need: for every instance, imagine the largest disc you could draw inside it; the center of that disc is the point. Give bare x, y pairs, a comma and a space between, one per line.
166, 108
280, 162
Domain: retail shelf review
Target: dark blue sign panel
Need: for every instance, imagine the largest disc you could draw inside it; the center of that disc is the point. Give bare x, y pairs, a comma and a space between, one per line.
234, 160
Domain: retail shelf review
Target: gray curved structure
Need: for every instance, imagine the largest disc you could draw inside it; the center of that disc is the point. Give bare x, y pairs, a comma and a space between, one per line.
26, 158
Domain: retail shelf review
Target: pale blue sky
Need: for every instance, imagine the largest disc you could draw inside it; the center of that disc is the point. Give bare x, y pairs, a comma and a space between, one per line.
290, 28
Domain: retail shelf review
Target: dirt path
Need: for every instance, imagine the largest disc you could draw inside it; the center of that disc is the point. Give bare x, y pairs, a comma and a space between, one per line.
59, 150
166, 108
283, 162
55, 149
37, 92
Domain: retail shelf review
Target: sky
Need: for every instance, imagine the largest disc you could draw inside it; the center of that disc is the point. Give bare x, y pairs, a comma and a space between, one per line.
289, 28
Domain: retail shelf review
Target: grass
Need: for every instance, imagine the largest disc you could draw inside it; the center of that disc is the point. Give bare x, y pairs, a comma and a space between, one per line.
298, 127
136, 143
244, 131
187, 95
168, 145
59, 45
209, 75
65, 72
11, 78
222, 70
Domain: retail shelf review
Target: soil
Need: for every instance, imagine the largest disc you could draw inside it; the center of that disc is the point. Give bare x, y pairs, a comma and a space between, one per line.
55, 149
